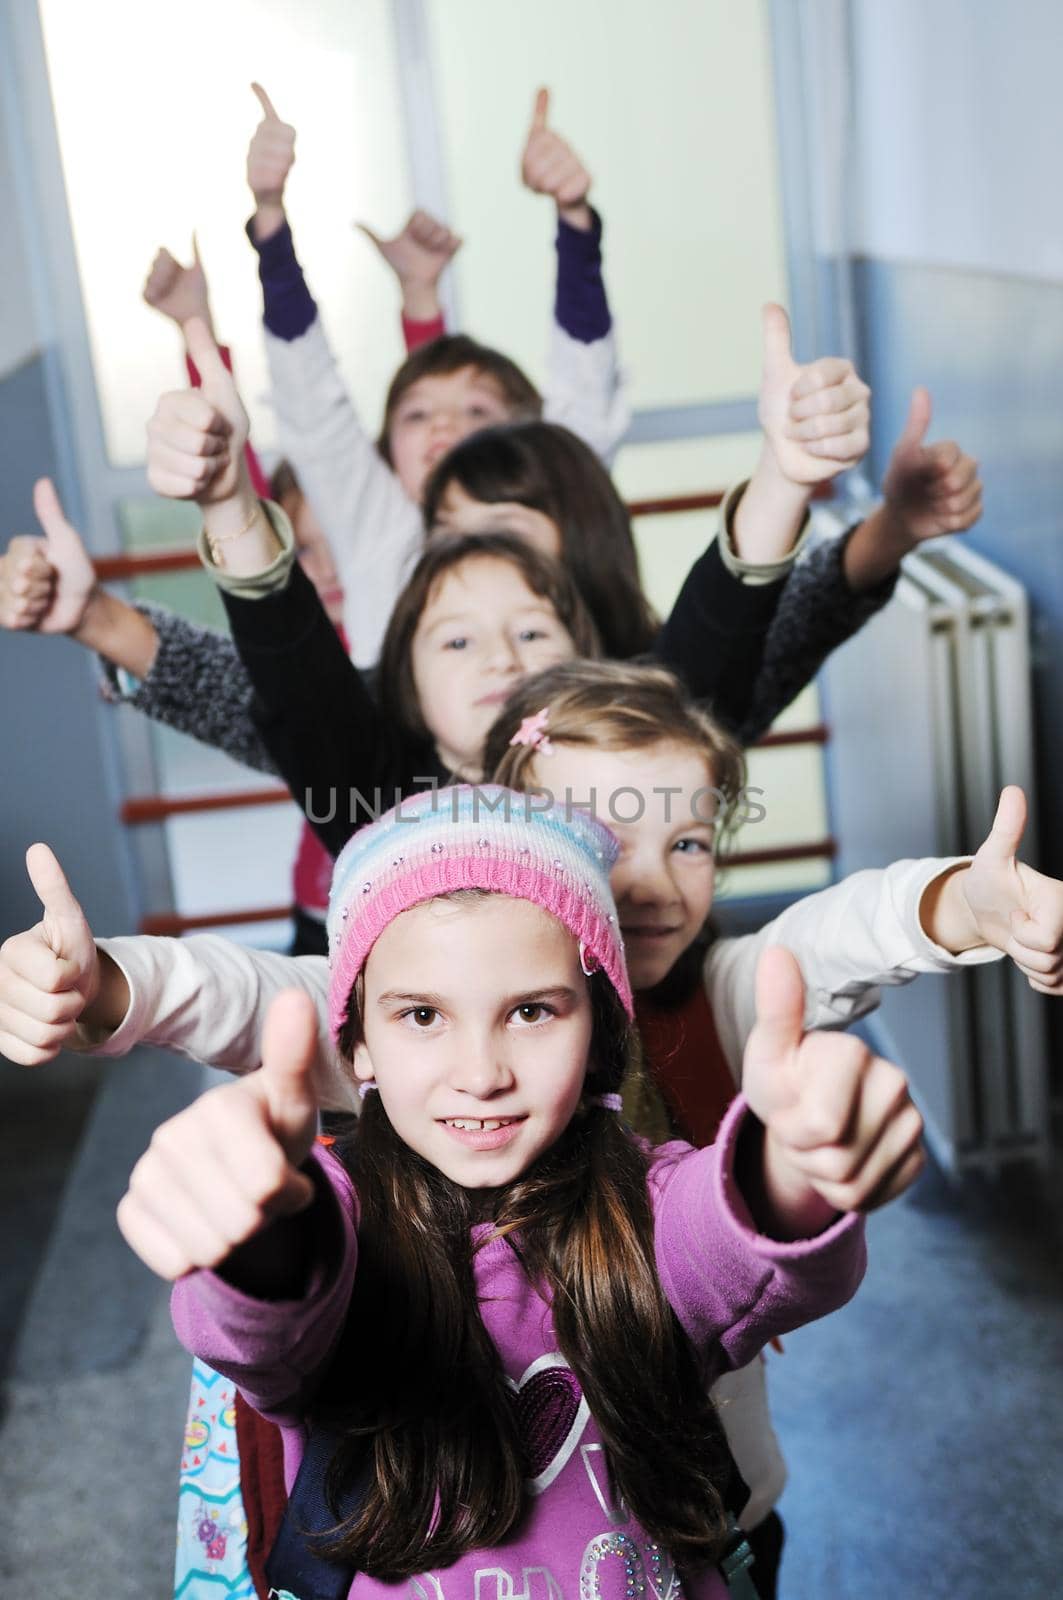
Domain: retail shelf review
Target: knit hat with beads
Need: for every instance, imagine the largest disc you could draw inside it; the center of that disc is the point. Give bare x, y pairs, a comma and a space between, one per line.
474, 837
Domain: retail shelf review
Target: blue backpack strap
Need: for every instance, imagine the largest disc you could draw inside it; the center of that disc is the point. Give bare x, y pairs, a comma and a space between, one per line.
735, 1563
294, 1569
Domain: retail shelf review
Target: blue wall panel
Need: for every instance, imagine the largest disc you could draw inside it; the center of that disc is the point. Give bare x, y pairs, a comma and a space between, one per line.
56, 781
990, 349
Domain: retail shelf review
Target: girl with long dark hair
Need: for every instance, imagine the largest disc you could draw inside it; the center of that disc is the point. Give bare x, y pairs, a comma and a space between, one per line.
496, 1307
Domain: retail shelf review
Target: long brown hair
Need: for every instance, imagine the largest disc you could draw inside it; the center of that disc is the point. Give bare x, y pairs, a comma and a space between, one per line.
625, 705
453, 352
398, 693
434, 1435
544, 466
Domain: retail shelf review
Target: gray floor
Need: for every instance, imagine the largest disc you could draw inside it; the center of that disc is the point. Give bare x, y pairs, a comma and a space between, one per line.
923, 1424
96, 1387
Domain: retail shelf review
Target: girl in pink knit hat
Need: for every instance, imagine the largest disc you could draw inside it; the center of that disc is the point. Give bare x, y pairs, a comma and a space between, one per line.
485, 1320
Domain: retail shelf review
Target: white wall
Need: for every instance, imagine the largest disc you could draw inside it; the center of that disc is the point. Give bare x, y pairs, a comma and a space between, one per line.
959, 129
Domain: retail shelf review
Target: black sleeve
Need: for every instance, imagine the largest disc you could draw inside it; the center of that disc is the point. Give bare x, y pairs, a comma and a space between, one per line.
312, 708
716, 634
817, 613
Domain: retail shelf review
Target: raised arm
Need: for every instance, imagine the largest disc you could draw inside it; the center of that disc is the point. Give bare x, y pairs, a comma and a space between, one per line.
418, 255
815, 420
205, 997
181, 293
881, 928
312, 709
227, 1169
275, 1222
584, 388
48, 585
177, 672
928, 491
373, 528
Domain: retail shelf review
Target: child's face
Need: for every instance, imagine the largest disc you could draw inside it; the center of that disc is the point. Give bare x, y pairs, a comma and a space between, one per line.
434, 414
460, 513
477, 1024
314, 554
482, 631
665, 874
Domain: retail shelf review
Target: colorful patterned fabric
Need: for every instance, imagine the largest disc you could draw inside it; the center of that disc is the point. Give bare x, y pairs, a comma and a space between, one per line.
211, 1527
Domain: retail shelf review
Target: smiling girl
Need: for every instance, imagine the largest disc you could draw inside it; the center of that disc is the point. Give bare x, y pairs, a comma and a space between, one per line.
490, 1244
613, 733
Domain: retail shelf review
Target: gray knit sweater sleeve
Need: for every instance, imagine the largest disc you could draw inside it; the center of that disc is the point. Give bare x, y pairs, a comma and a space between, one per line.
817, 612
197, 684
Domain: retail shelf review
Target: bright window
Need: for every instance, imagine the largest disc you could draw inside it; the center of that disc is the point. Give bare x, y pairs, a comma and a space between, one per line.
153, 129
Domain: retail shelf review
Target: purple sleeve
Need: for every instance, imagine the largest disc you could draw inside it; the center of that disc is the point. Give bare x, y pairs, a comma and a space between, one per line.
732, 1288
580, 305
274, 1349
288, 307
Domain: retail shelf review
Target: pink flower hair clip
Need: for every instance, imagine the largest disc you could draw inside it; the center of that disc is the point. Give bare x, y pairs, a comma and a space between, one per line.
532, 732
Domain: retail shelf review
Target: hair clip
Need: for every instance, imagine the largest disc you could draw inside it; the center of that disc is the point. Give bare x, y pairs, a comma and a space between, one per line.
588, 961
608, 1102
365, 1088
532, 732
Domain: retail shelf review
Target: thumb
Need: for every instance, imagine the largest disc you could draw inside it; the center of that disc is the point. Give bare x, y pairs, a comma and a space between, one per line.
289, 1054
63, 538
540, 111
197, 259
778, 349
780, 998
268, 108
918, 423
1009, 824
67, 929
202, 347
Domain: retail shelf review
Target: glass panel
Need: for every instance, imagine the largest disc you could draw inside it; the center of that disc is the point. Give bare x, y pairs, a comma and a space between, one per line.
794, 801
671, 107
233, 860
183, 87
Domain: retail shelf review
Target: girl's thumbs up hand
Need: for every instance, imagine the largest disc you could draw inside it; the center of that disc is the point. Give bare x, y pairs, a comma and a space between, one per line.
930, 489
550, 166
50, 973
270, 158
816, 417
196, 436
841, 1133
46, 583
1000, 901
218, 1173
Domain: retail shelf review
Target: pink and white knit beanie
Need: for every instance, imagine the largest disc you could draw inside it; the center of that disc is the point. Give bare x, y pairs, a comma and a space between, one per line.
473, 837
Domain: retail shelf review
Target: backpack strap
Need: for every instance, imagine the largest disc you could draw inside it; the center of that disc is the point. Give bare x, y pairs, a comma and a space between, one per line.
735, 1563
295, 1569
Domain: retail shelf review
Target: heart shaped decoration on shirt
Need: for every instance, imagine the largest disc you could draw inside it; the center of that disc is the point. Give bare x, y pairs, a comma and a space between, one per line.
551, 1416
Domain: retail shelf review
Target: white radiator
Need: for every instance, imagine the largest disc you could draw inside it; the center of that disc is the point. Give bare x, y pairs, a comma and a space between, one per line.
931, 715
